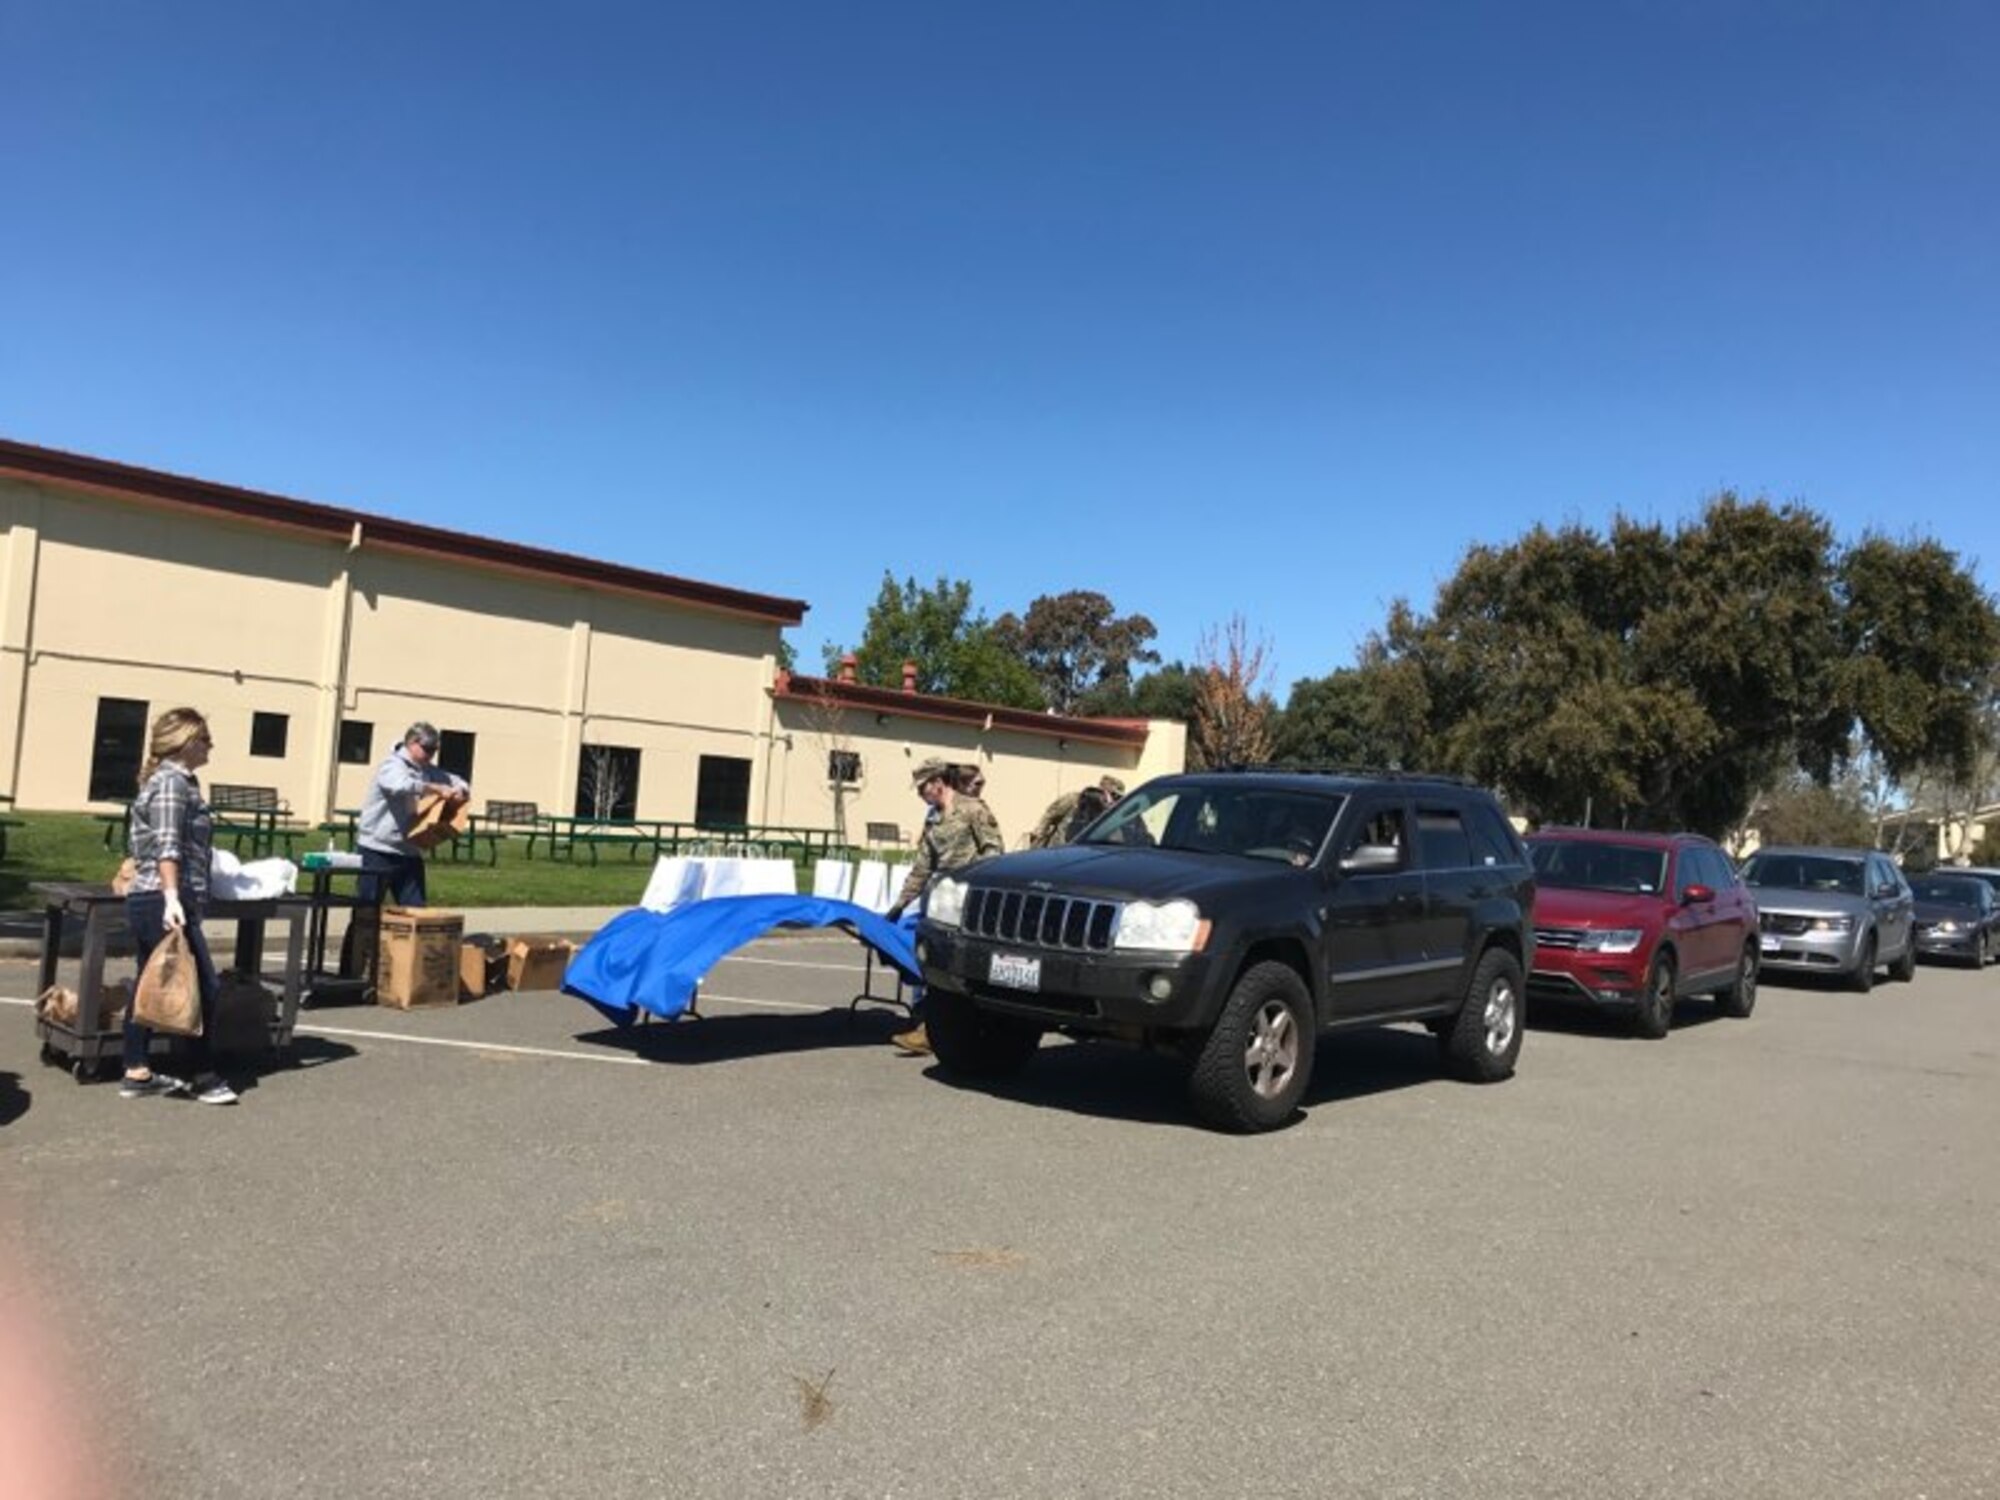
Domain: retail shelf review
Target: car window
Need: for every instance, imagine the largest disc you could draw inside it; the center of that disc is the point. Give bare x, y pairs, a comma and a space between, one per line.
1949, 890
1808, 872
1887, 881
1715, 870
1590, 865
1381, 825
1493, 842
1241, 819
1442, 839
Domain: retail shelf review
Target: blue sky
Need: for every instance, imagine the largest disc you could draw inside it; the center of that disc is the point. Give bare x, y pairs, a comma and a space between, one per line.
1256, 308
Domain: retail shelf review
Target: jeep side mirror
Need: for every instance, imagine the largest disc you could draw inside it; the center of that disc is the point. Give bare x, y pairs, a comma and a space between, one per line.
1697, 894
1367, 858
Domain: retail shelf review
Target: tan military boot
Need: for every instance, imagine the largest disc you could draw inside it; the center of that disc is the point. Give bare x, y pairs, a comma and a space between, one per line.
916, 1041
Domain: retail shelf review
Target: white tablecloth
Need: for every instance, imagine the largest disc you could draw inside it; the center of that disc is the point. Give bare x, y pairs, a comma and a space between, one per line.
679, 879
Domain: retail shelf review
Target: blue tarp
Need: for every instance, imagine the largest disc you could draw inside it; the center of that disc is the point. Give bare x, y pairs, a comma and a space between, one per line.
652, 961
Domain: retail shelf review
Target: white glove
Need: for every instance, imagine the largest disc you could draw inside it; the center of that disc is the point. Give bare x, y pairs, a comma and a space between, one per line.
175, 917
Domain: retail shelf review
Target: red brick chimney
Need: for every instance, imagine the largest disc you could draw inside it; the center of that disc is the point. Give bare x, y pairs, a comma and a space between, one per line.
847, 665
909, 676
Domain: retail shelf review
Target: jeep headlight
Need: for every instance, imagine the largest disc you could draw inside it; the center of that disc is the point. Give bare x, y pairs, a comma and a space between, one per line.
1612, 940
1833, 924
1163, 927
1946, 927
945, 904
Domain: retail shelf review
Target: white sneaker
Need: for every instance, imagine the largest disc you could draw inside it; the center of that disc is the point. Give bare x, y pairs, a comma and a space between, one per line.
153, 1085
214, 1091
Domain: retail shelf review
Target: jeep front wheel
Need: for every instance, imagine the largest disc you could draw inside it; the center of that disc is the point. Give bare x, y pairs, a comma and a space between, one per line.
1253, 1069
974, 1043
1484, 1043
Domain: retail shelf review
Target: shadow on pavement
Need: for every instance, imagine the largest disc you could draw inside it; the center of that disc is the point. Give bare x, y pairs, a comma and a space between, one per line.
1583, 1020
1113, 1081
733, 1037
13, 1098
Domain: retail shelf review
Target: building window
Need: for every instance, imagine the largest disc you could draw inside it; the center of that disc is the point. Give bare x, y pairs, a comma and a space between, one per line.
117, 749
455, 748
843, 766
722, 792
268, 733
357, 742
607, 783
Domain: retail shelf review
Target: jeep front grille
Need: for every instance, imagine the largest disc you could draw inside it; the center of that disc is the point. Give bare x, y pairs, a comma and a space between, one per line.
1559, 937
1043, 921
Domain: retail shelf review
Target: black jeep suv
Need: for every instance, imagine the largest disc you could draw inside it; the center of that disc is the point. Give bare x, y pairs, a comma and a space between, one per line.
1235, 916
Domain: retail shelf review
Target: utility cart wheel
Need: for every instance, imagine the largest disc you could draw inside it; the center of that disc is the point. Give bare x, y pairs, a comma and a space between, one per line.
82, 1071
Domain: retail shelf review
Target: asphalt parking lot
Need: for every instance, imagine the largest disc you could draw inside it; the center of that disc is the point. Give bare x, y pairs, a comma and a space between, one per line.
504, 1250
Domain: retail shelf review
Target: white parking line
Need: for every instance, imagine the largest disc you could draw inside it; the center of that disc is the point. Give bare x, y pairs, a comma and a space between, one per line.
791, 963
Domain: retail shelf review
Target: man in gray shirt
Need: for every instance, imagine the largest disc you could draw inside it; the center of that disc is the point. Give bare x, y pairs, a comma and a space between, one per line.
389, 861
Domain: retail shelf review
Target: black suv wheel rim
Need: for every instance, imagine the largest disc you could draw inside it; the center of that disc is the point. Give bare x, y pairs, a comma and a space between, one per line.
1502, 1016
1272, 1055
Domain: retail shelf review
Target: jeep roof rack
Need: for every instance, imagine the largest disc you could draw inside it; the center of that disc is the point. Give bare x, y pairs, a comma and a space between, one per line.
1379, 773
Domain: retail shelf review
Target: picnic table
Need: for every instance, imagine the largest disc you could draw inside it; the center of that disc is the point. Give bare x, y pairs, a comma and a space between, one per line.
254, 814
345, 825
7, 800
563, 836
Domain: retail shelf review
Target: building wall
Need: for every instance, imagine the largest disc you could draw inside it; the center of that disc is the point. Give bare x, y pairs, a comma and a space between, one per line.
105, 597
1024, 772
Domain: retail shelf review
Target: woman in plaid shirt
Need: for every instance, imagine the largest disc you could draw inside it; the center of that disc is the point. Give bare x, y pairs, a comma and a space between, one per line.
172, 841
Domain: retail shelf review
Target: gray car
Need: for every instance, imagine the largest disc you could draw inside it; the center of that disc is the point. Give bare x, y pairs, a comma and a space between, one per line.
1839, 912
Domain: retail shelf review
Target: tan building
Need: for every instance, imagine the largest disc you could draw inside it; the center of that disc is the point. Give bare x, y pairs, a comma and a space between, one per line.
312, 635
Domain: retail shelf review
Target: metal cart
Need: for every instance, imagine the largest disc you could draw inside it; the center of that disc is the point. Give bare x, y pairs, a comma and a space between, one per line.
350, 977
85, 1046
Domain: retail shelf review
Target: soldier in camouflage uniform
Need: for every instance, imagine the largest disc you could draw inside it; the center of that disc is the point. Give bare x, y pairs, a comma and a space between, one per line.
958, 836
970, 784
1072, 812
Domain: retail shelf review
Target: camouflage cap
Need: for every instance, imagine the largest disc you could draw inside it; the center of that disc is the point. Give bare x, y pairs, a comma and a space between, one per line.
1112, 785
930, 770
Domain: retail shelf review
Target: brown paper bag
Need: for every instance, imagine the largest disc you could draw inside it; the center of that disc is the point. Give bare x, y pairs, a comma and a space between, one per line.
57, 1003
439, 821
169, 994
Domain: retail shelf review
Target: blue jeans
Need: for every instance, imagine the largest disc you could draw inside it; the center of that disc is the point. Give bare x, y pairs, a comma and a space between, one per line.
399, 876
146, 915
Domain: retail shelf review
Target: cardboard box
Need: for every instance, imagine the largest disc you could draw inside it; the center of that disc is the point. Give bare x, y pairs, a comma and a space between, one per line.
482, 966
438, 821
537, 963
419, 964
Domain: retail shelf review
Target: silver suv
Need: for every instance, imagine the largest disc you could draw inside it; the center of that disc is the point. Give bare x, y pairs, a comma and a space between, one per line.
1839, 912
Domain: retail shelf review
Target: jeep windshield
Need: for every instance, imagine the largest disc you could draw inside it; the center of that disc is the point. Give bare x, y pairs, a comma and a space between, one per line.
1579, 865
1239, 819
1805, 872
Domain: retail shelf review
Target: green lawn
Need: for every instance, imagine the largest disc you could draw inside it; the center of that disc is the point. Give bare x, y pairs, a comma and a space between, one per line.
70, 846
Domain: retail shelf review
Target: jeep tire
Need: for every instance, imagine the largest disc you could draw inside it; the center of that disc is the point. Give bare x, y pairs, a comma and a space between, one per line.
1485, 1041
975, 1043
1252, 1070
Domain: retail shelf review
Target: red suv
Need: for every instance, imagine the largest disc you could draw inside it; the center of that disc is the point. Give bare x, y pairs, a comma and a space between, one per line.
1635, 921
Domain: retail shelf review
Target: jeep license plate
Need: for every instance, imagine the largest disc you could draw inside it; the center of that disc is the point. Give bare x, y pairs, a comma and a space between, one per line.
1770, 943
1015, 972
